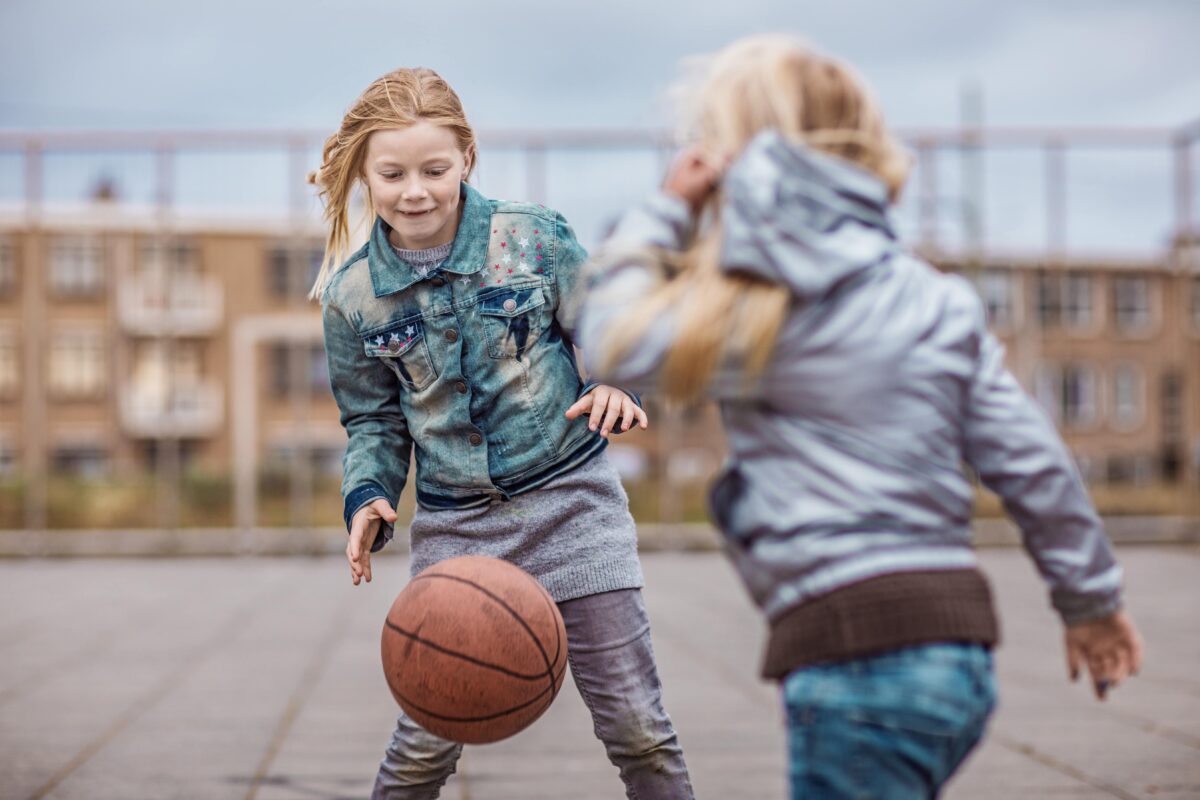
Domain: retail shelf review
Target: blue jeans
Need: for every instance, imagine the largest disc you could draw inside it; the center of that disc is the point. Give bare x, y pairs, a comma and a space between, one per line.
608, 648
888, 727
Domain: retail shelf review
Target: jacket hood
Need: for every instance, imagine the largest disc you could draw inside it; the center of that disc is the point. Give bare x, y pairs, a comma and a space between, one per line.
794, 216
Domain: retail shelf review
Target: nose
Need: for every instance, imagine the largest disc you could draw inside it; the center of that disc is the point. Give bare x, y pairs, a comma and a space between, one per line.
413, 189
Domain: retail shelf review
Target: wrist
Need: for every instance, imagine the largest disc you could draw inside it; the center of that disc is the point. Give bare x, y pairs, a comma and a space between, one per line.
359, 498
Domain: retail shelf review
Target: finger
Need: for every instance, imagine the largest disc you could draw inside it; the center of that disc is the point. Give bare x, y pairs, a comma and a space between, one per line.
580, 406
1074, 659
611, 414
599, 404
1135, 654
371, 531
352, 558
384, 509
1098, 668
640, 415
627, 416
1120, 667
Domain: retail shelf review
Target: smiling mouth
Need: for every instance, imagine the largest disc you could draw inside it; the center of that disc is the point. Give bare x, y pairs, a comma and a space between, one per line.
416, 214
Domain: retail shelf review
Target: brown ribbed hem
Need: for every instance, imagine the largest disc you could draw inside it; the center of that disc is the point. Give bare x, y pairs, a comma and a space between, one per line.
880, 614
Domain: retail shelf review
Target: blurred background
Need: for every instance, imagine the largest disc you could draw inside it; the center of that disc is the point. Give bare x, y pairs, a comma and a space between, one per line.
162, 369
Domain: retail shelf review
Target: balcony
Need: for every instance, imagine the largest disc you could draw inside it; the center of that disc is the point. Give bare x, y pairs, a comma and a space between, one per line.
192, 412
192, 307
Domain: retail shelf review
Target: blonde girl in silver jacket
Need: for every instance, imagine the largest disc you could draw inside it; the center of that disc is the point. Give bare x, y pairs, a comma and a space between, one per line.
854, 383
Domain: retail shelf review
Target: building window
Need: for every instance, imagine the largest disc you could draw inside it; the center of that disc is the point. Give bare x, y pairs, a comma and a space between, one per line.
324, 461
155, 456
292, 271
8, 267
78, 365
76, 266
1128, 396
8, 458
171, 260
996, 290
1077, 310
1136, 469
1068, 394
1131, 304
1049, 299
165, 375
1065, 299
1195, 305
10, 365
314, 372
84, 461
318, 371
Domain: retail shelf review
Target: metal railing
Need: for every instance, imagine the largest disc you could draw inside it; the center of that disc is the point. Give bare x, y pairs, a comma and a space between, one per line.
946, 221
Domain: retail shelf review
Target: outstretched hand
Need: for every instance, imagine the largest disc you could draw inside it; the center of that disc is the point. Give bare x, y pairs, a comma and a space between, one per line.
1110, 648
604, 405
364, 527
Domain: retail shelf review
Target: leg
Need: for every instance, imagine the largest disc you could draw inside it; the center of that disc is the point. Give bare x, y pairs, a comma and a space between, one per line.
893, 727
608, 638
415, 765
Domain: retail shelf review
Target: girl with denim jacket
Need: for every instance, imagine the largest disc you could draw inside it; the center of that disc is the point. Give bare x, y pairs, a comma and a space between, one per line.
854, 382
447, 338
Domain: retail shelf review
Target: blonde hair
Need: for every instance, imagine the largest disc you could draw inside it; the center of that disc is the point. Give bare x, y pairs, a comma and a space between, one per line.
755, 83
398, 99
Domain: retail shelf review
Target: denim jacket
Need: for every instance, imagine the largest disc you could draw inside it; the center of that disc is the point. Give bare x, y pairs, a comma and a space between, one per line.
846, 453
470, 365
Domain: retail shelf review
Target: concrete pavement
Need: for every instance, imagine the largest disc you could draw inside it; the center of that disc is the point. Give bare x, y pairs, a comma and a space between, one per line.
259, 678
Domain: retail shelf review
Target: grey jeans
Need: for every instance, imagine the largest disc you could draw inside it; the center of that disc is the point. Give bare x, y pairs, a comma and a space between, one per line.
612, 662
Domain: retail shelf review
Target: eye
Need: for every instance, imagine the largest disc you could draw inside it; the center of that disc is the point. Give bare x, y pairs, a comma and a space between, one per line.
437, 172
390, 175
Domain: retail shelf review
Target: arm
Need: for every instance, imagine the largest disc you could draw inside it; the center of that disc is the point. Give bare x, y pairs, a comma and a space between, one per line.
378, 452
618, 278
628, 271
604, 405
1018, 454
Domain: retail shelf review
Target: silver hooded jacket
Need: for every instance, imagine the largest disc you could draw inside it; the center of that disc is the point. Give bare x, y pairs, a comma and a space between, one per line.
846, 456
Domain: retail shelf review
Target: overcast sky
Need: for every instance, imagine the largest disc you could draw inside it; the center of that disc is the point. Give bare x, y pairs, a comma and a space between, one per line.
539, 64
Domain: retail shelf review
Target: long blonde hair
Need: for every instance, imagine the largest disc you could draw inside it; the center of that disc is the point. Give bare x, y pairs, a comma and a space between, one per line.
398, 99
755, 83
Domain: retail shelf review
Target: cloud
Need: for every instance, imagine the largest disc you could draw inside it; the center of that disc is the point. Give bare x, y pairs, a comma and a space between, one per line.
533, 64
528, 63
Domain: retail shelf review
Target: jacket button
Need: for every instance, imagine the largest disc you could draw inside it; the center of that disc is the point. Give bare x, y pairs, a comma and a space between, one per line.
438, 281
461, 387
475, 439
394, 346
510, 305
451, 335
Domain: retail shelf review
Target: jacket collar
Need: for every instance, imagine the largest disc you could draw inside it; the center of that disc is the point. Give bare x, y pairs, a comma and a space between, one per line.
390, 274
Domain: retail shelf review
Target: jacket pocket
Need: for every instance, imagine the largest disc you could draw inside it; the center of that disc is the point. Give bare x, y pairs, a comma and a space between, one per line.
513, 320
405, 352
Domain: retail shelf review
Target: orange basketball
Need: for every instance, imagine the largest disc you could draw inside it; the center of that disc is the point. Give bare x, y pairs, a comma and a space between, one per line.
474, 649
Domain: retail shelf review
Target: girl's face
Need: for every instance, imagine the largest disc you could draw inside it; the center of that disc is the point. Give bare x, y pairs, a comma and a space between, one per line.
414, 174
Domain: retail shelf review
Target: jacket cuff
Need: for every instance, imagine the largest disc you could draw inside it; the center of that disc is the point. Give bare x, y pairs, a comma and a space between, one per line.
661, 221
1076, 610
364, 495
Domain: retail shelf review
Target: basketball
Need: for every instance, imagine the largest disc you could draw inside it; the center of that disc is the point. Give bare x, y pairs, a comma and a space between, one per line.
474, 649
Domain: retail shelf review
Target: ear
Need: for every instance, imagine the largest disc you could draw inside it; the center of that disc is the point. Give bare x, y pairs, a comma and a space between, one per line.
469, 160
